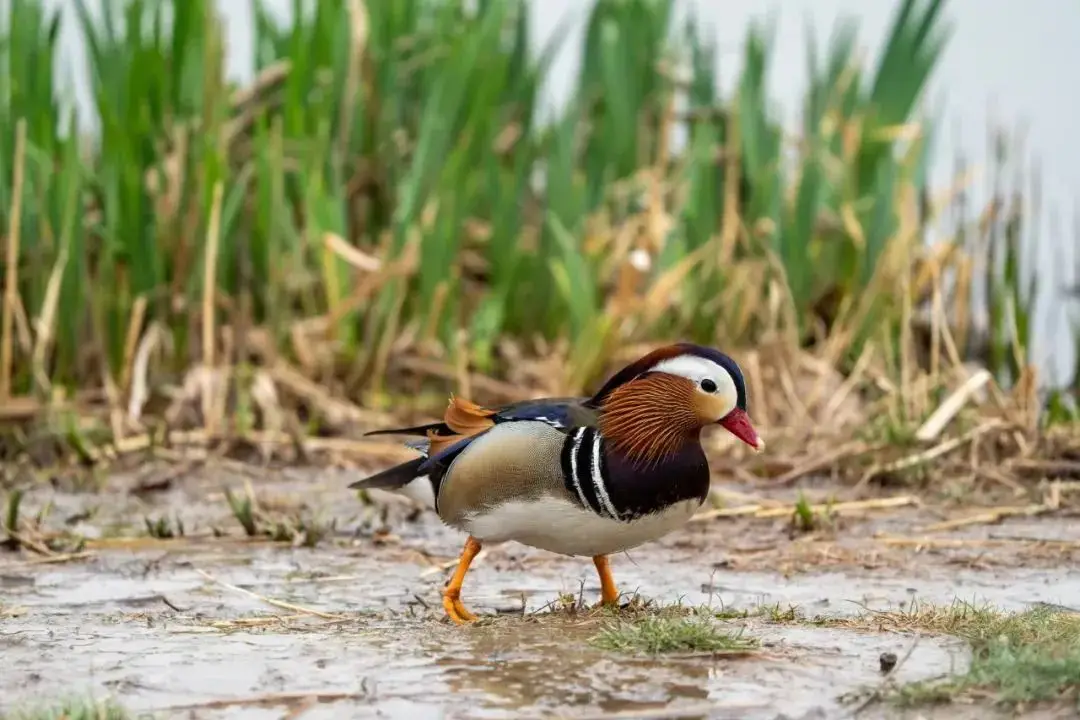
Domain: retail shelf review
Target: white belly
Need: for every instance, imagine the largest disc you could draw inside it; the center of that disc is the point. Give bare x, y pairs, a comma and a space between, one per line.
559, 526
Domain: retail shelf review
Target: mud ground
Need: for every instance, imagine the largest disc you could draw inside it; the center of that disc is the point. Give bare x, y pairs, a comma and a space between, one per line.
182, 627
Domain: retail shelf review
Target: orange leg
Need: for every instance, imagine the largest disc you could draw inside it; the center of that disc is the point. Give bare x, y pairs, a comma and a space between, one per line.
608, 594
452, 594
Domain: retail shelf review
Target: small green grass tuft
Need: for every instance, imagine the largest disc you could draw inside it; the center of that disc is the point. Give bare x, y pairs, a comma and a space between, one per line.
631, 607
298, 526
661, 634
163, 528
19, 531
10, 524
803, 519
243, 509
775, 613
71, 709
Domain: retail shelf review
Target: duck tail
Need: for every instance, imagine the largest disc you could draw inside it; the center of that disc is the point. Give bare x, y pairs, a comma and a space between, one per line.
393, 478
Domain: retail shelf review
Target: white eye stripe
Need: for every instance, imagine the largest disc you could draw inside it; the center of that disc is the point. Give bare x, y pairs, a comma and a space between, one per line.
696, 369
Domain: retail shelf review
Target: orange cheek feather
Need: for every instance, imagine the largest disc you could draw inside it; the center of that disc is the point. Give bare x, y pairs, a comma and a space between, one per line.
711, 408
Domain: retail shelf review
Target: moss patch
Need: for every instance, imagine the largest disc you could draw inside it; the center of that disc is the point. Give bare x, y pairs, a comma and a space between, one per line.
71, 709
661, 634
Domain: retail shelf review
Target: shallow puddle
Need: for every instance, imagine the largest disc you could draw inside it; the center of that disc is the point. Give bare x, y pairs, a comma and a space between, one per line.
140, 626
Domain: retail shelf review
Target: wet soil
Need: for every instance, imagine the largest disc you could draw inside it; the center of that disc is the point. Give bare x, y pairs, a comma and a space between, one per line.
182, 627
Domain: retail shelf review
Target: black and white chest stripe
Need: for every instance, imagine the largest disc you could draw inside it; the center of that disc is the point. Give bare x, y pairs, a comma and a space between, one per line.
584, 469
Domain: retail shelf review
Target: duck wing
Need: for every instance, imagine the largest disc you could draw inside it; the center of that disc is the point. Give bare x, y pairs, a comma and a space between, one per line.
463, 422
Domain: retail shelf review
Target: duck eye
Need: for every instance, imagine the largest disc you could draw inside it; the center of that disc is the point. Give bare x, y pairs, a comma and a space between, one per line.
708, 385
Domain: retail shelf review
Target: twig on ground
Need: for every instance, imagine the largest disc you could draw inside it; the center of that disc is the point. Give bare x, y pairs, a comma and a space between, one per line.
988, 517
258, 621
939, 542
54, 559
952, 406
284, 698
443, 567
270, 601
841, 508
30, 543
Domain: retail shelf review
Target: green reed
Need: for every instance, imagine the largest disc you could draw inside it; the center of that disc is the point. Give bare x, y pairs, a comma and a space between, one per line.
410, 131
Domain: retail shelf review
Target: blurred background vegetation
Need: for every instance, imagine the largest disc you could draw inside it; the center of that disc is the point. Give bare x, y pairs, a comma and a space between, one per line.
384, 196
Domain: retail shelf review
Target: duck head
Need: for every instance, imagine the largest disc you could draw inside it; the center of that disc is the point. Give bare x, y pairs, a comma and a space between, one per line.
655, 402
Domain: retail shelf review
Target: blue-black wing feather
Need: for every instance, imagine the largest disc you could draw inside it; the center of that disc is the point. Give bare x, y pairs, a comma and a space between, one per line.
563, 414
557, 412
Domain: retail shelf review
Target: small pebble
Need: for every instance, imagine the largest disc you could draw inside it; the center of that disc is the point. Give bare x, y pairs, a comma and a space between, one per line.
888, 662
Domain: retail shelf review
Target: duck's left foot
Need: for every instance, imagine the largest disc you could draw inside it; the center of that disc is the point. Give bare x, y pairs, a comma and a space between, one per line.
609, 596
457, 611
452, 604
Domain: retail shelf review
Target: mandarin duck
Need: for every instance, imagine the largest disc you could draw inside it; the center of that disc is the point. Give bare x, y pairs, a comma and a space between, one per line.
583, 477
